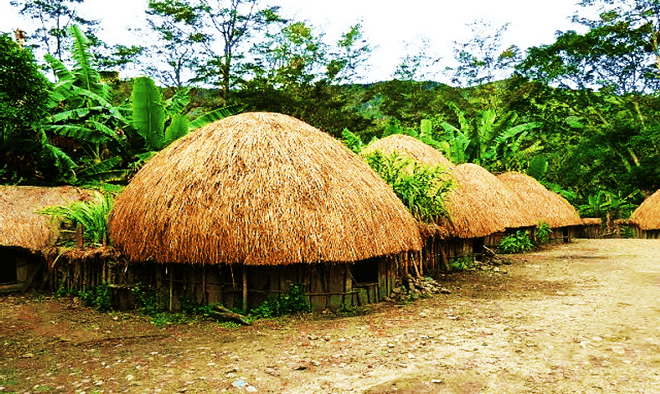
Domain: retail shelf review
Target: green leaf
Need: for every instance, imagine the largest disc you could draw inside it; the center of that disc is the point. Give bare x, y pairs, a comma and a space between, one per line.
148, 112
178, 128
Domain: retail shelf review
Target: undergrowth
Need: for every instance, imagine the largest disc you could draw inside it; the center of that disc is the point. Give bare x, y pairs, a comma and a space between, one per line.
294, 301
543, 231
148, 303
98, 297
516, 243
461, 263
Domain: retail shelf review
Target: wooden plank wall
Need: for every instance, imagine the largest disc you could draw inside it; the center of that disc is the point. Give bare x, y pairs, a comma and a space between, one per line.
329, 286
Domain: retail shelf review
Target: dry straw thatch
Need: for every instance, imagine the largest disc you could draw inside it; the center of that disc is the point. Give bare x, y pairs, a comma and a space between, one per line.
21, 226
592, 221
543, 204
409, 147
481, 205
647, 215
259, 189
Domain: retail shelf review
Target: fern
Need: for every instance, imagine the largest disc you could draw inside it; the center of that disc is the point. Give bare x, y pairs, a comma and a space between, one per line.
93, 215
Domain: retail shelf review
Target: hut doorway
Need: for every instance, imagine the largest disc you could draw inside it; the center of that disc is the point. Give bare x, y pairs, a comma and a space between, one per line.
8, 265
365, 271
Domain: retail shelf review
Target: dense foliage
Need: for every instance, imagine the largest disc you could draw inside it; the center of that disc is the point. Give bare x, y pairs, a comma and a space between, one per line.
581, 115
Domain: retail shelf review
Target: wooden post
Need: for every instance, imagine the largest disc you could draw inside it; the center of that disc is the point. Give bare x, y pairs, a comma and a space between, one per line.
80, 230
171, 284
245, 289
204, 284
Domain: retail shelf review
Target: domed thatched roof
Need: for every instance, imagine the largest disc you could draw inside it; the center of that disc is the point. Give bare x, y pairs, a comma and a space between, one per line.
543, 204
647, 215
410, 147
21, 225
481, 205
259, 188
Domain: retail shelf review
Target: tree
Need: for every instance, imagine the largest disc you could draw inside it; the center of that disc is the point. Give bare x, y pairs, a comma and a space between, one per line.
418, 62
498, 143
351, 53
179, 52
25, 153
619, 52
292, 57
483, 59
236, 23
54, 18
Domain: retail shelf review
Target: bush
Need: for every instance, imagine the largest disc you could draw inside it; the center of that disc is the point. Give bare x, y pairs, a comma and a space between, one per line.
422, 188
98, 297
543, 232
516, 243
293, 302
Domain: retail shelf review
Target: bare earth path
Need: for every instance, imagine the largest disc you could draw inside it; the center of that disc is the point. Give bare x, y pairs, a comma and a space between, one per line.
582, 317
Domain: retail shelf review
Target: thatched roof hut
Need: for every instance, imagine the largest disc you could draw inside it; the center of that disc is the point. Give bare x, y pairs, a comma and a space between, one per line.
647, 215
481, 205
21, 225
410, 147
259, 189
543, 204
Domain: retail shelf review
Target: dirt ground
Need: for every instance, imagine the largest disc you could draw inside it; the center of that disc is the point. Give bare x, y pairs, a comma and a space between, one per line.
582, 317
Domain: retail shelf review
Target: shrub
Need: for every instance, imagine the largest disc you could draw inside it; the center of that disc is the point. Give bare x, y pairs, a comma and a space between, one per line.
543, 231
294, 301
460, 263
422, 188
516, 243
93, 215
98, 297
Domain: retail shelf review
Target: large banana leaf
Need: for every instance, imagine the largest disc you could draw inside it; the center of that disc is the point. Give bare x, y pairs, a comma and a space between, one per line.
62, 73
105, 170
178, 128
86, 74
148, 112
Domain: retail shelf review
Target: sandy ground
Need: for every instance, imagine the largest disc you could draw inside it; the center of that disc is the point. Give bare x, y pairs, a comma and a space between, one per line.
582, 317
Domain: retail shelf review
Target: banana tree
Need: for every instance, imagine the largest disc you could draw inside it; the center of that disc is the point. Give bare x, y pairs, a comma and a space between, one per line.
83, 122
158, 123
495, 143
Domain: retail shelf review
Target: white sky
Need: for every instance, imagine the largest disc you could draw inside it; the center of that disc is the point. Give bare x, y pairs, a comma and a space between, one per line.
533, 22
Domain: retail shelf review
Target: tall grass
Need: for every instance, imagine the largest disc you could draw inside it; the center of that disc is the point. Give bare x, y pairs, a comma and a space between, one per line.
93, 215
421, 187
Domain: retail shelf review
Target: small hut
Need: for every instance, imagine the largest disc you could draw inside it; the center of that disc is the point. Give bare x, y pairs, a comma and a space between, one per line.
591, 228
647, 216
248, 205
543, 204
482, 208
24, 233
